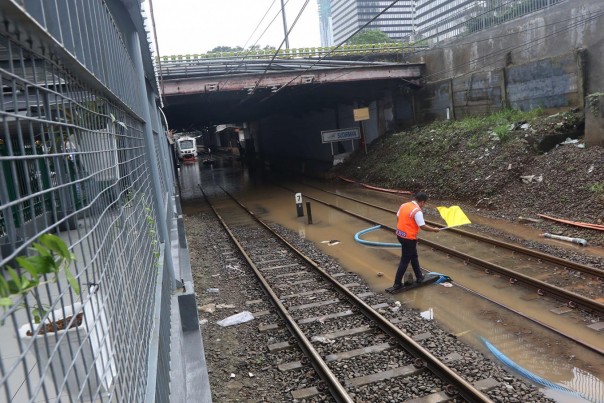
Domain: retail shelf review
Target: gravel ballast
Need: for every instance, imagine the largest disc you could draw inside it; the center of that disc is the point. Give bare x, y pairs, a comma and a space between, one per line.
240, 366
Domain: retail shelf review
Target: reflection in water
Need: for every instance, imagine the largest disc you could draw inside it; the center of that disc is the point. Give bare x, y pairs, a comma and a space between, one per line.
190, 178
590, 386
529, 346
428, 315
567, 394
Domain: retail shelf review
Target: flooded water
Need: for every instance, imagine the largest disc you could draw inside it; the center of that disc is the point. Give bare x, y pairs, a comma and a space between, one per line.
566, 371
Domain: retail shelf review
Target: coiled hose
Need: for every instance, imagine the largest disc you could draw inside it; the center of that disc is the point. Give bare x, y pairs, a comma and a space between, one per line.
357, 237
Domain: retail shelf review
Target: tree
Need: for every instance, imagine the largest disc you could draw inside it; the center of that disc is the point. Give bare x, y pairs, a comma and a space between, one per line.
369, 36
226, 49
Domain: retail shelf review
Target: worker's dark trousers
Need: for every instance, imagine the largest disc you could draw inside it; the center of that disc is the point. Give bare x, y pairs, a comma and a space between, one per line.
408, 254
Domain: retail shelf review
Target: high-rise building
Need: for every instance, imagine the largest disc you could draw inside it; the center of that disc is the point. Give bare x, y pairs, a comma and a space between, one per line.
414, 20
441, 19
350, 15
325, 22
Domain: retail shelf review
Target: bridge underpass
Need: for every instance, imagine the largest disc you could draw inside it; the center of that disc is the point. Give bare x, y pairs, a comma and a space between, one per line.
285, 111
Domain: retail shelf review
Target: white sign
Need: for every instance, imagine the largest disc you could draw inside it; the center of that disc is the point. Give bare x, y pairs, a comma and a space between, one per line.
298, 198
329, 136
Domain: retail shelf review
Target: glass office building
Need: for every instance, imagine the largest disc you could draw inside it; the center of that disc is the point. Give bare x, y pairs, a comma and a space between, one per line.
441, 19
416, 20
325, 22
350, 15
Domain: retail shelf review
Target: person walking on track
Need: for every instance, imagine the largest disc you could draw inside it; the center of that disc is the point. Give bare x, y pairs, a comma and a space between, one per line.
410, 220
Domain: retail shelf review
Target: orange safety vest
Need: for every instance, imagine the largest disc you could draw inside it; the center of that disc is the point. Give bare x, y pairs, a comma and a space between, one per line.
406, 226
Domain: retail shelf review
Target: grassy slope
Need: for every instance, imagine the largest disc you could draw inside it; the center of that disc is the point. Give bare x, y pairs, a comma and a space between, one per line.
480, 162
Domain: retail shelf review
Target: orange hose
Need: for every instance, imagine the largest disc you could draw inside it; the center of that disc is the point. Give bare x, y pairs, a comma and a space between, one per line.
376, 188
597, 227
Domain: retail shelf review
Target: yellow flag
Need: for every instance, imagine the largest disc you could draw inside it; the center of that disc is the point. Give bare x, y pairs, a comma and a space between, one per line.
453, 216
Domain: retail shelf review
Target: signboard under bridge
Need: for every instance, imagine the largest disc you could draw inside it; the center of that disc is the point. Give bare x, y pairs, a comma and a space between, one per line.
329, 136
335, 136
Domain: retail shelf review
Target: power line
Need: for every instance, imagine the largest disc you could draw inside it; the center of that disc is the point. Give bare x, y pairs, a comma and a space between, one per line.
257, 40
260, 22
282, 42
493, 54
335, 48
505, 50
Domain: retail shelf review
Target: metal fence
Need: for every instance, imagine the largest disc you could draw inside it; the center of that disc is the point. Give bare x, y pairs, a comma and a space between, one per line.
84, 158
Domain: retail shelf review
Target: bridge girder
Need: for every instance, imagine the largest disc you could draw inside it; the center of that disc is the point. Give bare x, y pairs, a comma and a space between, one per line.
274, 81
200, 101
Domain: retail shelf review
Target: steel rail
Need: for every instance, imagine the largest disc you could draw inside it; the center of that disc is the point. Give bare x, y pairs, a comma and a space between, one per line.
437, 367
533, 253
545, 325
541, 287
591, 347
334, 385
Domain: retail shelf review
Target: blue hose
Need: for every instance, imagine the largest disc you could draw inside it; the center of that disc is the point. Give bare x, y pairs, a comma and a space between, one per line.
357, 237
525, 372
441, 277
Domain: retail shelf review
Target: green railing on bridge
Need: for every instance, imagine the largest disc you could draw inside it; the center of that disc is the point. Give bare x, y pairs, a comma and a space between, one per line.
312, 52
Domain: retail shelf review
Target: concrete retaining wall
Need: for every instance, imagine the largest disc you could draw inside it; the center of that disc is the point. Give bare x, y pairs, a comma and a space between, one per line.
549, 59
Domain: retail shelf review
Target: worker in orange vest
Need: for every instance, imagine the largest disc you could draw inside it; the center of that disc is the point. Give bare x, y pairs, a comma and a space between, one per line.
410, 220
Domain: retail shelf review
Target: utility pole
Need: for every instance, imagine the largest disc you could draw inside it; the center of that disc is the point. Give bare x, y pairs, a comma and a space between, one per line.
284, 25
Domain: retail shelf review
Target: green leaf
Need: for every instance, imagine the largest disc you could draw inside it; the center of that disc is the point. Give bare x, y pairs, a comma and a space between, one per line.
38, 265
27, 265
6, 301
27, 284
72, 281
4, 291
37, 314
56, 244
15, 280
41, 249
113, 119
122, 124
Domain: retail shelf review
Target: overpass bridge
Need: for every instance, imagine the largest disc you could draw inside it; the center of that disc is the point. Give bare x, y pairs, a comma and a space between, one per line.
230, 87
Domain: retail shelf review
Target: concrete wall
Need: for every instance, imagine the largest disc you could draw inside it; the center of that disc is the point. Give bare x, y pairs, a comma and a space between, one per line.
594, 120
549, 59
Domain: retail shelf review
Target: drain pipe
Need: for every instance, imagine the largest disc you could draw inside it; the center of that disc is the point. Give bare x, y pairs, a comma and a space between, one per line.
579, 241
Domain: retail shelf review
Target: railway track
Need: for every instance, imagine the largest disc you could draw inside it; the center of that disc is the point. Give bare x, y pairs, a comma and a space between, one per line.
335, 326
531, 268
539, 272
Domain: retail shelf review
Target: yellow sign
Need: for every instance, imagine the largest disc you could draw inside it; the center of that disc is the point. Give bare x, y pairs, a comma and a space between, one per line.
361, 114
453, 216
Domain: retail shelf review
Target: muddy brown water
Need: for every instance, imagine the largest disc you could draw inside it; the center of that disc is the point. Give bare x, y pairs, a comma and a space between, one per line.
533, 348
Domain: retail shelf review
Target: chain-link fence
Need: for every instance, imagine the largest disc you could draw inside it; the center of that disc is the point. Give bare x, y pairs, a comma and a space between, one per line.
85, 189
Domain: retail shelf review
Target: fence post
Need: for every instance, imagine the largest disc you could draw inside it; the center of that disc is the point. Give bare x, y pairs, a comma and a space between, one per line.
164, 150
150, 153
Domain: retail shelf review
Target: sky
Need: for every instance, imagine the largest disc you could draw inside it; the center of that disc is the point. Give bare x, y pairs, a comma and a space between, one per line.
198, 26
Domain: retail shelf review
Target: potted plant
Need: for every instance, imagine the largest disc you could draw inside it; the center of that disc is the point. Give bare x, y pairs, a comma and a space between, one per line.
56, 337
